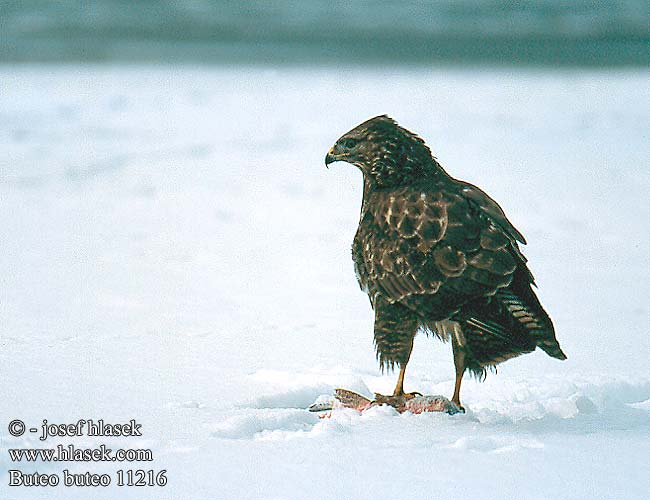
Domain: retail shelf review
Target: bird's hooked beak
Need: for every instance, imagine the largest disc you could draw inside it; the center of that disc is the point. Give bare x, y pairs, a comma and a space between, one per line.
334, 154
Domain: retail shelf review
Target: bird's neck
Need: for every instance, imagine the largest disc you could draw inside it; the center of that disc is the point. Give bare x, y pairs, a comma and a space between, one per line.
390, 175
428, 176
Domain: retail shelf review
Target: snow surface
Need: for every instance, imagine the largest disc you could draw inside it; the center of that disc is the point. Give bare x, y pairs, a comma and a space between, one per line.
174, 251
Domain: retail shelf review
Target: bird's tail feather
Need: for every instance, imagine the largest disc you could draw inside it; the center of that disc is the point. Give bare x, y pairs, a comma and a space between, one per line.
553, 349
515, 321
522, 305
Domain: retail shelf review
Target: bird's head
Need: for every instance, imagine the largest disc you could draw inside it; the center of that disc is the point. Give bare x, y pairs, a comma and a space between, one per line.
387, 154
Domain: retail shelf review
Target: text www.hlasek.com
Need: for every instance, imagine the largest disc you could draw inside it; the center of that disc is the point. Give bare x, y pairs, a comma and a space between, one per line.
71, 454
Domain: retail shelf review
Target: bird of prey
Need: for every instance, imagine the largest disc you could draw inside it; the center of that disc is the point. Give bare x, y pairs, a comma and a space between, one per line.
437, 254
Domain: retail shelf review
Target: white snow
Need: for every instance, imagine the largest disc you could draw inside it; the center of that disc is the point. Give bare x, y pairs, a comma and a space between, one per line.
174, 251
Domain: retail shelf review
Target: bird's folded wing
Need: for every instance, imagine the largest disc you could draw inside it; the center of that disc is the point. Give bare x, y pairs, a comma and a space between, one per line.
491, 208
436, 243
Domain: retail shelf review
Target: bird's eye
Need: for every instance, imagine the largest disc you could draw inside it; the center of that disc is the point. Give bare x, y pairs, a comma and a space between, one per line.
349, 143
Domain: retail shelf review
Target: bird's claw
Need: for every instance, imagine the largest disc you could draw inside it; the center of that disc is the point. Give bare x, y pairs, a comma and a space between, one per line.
455, 407
397, 400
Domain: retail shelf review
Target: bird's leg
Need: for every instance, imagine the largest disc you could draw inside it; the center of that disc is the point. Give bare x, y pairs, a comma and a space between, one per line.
399, 388
459, 364
395, 329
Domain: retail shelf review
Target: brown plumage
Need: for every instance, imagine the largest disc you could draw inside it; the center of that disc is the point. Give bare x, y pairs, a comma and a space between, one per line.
438, 254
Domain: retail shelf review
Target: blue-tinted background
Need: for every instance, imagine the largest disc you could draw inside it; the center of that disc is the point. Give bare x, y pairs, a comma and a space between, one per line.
568, 32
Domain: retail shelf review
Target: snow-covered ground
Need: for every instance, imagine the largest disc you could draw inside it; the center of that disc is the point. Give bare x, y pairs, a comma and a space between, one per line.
173, 250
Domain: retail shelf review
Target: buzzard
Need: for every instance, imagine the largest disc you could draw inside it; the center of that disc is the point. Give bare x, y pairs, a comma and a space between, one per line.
437, 254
